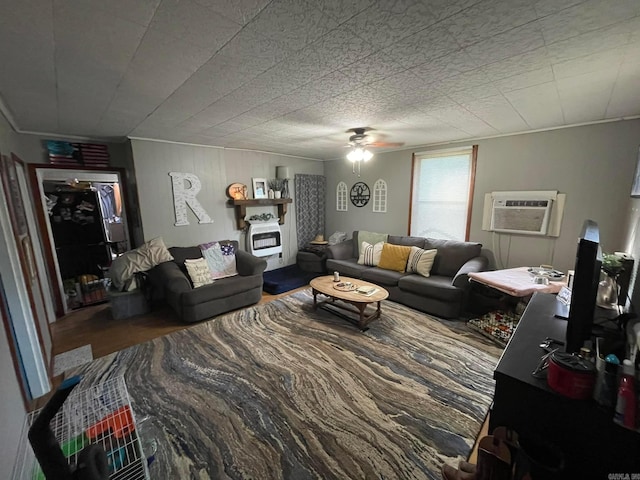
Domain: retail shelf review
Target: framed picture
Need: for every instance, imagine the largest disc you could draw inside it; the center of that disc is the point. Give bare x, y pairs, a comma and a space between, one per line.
259, 188
635, 189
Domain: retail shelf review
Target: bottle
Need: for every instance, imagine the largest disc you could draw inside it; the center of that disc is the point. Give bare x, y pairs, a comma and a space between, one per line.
625, 414
586, 354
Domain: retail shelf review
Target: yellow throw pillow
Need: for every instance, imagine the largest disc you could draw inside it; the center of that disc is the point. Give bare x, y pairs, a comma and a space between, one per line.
420, 261
370, 254
394, 257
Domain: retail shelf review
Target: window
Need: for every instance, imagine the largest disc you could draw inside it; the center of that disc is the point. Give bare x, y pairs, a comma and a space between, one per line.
380, 196
341, 197
442, 193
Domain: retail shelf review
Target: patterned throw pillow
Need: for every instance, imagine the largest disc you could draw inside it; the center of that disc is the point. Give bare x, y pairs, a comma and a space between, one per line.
198, 272
228, 259
394, 257
221, 259
337, 237
420, 261
370, 254
371, 238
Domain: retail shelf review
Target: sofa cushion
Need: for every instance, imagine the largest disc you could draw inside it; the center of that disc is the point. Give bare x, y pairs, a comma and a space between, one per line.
436, 286
420, 261
452, 254
406, 240
220, 258
348, 267
370, 254
198, 270
380, 276
394, 257
221, 289
180, 254
141, 259
370, 237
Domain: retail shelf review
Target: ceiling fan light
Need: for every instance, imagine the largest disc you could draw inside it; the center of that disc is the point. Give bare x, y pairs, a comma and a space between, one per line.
356, 155
367, 155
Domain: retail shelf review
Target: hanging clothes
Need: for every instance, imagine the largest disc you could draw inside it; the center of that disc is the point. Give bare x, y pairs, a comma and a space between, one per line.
107, 199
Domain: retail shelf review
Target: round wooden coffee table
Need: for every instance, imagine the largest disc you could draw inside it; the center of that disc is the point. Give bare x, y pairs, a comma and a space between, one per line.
350, 296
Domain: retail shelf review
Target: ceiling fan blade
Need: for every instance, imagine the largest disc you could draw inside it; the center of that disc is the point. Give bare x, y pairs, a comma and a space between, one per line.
385, 144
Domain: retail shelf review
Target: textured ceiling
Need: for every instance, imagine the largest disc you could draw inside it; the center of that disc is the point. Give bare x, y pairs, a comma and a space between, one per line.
291, 76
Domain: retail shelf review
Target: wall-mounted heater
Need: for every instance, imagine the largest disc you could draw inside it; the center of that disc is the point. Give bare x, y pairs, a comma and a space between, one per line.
524, 213
264, 239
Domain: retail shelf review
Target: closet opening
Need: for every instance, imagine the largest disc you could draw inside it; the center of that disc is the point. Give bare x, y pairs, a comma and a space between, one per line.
84, 226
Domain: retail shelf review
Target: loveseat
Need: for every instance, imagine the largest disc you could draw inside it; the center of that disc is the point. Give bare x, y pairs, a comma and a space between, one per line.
443, 293
170, 280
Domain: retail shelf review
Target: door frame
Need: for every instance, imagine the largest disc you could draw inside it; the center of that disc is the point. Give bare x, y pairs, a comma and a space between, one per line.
38, 174
22, 287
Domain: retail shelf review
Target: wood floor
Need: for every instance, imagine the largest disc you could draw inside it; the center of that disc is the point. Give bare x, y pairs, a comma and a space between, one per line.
96, 327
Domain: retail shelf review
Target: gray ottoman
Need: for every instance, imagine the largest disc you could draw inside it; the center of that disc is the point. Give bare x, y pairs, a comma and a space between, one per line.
311, 262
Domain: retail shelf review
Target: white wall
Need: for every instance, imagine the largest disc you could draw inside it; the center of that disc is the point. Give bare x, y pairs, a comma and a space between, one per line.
12, 412
216, 168
594, 165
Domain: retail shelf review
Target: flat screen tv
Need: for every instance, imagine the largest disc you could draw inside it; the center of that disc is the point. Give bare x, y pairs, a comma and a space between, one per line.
585, 287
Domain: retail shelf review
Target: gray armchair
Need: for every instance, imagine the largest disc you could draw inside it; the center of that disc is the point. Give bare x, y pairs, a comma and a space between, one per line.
171, 282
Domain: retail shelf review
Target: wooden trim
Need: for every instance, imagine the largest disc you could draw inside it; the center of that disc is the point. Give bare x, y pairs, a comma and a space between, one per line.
124, 194
413, 168
27, 274
472, 181
4, 313
472, 184
19, 244
42, 218
45, 239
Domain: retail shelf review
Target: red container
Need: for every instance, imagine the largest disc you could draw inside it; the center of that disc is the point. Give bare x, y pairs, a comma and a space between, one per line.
571, 375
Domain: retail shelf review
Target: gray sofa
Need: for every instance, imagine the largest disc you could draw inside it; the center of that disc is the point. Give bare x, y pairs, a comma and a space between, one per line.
171, 282
444, 293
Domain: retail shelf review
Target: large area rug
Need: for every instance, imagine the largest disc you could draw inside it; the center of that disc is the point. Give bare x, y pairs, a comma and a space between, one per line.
283, 391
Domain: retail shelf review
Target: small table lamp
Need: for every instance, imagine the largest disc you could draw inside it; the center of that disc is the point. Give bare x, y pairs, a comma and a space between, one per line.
283, 173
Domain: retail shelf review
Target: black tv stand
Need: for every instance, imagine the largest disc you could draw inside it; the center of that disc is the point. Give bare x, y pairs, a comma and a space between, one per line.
562, 309
592, 444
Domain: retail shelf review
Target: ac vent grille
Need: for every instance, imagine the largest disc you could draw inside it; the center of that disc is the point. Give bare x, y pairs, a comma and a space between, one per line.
530, 217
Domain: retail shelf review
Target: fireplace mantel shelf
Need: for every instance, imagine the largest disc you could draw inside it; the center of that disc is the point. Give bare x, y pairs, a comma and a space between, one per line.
240, 207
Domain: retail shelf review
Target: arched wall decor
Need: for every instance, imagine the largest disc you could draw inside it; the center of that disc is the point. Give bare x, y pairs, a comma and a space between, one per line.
380, 196
341, 197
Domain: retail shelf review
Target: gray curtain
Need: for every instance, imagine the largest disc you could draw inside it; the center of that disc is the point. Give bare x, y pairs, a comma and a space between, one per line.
310, 203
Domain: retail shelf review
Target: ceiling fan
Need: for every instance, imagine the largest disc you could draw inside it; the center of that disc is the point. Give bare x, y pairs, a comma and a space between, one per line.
361, 139
359, 143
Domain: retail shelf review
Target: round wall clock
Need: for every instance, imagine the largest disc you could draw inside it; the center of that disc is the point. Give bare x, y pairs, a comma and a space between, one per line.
360, 194
237, 191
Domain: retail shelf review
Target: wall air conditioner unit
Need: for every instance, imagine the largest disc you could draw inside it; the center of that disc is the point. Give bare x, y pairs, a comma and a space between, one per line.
524, 213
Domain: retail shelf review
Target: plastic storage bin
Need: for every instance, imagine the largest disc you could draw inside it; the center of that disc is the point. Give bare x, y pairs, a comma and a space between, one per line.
127, 304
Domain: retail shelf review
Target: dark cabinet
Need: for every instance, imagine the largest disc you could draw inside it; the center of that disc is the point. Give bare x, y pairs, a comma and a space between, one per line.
593, 446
